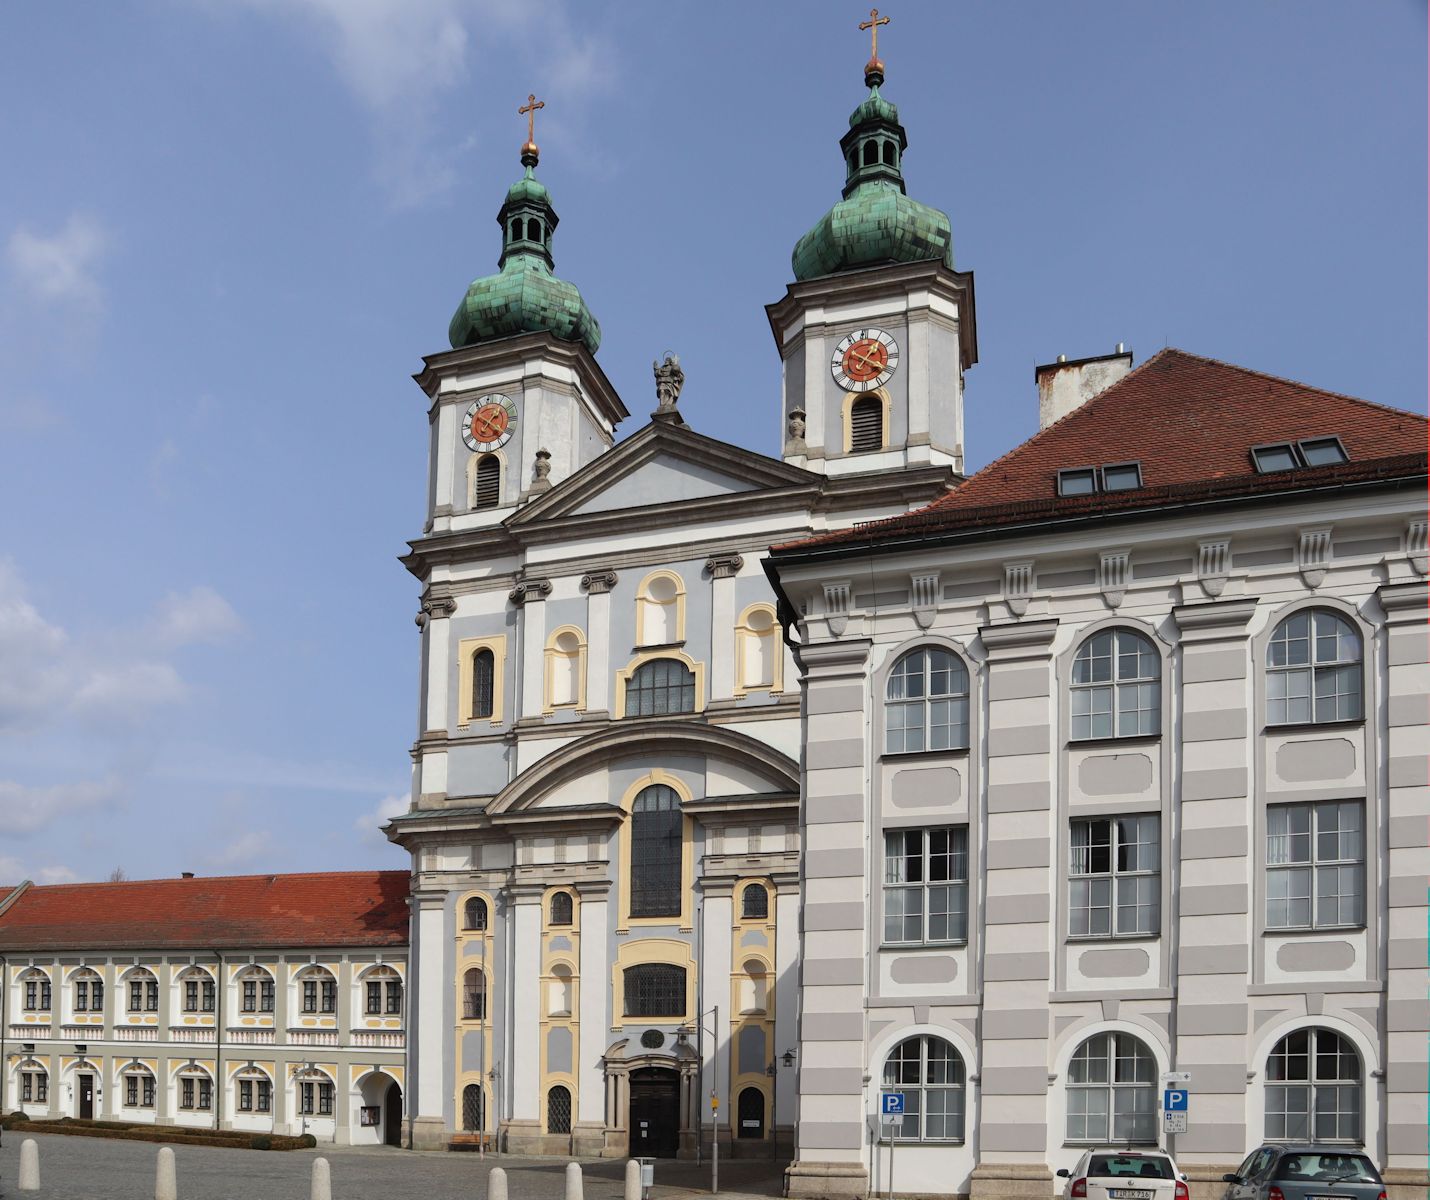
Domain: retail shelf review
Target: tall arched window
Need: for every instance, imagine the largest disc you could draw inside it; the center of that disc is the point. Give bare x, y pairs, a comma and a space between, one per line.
565, 663
929, 1072
560, 992
486, 490
754, 987
473, 1113
533, 229
484, 679
561, 908
474, 915
757, 649
659, 688
927, 705
654, 990
1313, 1089
1111, 1091
888, 154
866, 422
1116, 686
871, 152
1313, 669
656, 853
474, 995
88, 991
755, 903
660, 611
558, 1110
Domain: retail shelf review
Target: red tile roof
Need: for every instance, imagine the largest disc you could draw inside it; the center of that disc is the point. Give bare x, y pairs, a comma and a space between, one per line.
341, 908
1191, 423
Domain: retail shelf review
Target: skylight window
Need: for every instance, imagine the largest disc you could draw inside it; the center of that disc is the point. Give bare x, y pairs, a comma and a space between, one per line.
1112, 477
1308, 452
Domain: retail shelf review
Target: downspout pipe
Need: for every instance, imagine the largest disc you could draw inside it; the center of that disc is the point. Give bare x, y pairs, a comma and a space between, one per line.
4, 1026
218, 1044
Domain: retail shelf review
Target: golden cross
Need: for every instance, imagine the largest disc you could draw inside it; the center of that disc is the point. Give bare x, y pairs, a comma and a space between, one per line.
872, 25
528, 110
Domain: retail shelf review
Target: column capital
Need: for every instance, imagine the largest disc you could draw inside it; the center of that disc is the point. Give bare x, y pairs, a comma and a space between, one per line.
530, 590
598, 583
434, 607
724, 566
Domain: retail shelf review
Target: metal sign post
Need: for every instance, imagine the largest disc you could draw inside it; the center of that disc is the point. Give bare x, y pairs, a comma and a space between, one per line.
891, 1111
1176, 1101
714, 1143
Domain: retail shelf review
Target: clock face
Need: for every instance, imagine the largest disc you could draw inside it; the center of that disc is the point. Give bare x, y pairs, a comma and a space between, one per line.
864, 359
489, 423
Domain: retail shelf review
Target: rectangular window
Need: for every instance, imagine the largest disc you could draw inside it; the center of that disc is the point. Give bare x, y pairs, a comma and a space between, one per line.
265, 1095
245, 1095
206, 992
1279, 457
374, 998
330, 996
191, 995
926, 885
42, 1088
44, 995
205, 1094
151, 996
265, 995
1315, 865
32, 995
394, 999
310, 995
1114, 885
250, 996
81, 996
26, 1088
1321, 452
136, 996
325, 1099
305, 1100
131, 1091
1078, 481
148, 1091
186, 1098
1121, 477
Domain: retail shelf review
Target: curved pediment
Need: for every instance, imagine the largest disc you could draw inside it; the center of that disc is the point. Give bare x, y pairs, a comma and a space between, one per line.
776, 773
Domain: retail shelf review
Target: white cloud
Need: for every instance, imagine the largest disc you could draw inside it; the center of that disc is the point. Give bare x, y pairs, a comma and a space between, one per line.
248, 850
371, 823
198, 615
14, 871
29, 809
60, 266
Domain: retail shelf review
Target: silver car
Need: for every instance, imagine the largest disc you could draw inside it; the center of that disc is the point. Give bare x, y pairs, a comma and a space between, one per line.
1124, 1174
1305, 1173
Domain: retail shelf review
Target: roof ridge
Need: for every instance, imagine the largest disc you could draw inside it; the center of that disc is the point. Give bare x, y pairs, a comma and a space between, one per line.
53, 887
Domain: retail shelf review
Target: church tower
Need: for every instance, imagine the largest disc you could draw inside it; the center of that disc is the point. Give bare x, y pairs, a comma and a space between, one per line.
878, 329
519, 403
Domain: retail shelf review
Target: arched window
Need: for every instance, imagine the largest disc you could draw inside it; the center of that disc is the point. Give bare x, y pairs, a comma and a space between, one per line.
1116, 688
755, 903
929, 1071
533, 229
560, 992
866, 423
484, 679
757, 649
871, 152
656, 853
1313, 1089
565, 662
37, 993
561, 908
196, 1090
143, 991
88, 991
318, 991
196, 991
654, 990
138, 1088
1111, 1091
486, 493
255, 991
888, 154
660, 688
751, 1113
660, 608
382, 993
516, 229
853, 161
315, 1093
474, 913
474, 995
473, 1109
255, 1091
558, 1110
754, 987
1313, 669
927, 703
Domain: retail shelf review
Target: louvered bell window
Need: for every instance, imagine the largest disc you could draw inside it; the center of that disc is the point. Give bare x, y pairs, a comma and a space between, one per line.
656, 853
866, 425
655, 990
488, 494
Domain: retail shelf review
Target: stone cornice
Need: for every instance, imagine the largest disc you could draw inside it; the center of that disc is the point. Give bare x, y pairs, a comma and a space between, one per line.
1404, 602
1018, 636
1226, 617
844, 657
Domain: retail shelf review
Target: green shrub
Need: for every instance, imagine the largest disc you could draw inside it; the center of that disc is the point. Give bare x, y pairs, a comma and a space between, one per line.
307, 1141
261, 1141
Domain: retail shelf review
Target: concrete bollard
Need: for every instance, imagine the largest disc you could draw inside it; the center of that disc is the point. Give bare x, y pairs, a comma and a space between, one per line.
633, 1180
322, 1180
29, 1166
573, 1181
496, 1184
165, 1186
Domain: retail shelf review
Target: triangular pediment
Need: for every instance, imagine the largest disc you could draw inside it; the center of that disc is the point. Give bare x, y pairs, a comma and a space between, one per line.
663, 464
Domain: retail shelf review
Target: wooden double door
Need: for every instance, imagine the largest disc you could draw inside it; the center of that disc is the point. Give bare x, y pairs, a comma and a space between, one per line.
655, 1113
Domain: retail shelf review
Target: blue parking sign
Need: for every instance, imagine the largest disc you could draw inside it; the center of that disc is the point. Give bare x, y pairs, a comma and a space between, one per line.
1175, 1100
891, 1104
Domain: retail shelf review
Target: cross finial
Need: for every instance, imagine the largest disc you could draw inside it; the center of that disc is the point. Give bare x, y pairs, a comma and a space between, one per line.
872, 25
528, 110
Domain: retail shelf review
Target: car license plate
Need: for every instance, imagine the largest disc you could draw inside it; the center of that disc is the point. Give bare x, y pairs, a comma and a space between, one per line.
1139, 1194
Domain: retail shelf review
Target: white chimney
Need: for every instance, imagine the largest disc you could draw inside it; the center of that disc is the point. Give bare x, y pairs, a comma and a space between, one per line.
1064, 386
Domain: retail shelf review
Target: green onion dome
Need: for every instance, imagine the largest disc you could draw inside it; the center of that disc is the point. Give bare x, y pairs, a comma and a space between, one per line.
524, 296
876, 222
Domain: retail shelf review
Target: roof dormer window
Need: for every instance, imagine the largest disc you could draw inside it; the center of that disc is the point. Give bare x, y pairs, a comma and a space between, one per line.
1308, 452
1111, 477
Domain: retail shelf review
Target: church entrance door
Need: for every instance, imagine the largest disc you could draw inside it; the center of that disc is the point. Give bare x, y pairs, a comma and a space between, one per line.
655, 1113
392, 1116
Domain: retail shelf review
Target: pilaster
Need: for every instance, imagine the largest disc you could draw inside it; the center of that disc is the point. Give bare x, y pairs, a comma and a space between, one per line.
528, 596
424, 1030
722, 569
594, 994
598, 585
523, 1067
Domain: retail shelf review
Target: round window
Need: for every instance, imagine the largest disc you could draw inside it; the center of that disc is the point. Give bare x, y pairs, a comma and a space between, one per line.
652, 1039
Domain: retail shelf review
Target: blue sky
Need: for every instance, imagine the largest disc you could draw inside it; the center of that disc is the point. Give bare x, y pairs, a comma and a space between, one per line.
230, 229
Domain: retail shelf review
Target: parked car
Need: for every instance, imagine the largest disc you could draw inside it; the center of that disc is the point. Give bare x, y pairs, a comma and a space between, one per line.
1125, 1173
1305, 1172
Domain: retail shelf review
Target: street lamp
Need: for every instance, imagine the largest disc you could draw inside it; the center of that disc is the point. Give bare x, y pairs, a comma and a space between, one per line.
787, 1059
681, 1035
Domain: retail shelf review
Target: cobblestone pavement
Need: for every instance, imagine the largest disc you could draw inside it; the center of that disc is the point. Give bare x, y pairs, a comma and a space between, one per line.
81, 1168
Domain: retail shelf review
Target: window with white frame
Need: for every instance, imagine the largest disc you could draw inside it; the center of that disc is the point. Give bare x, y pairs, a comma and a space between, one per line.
926, 885
382, 993
255, 1093
196, 1093
1315, 865
929, 1072
256, 993
926, 704
1116, 687
199, 994
475, 914
1313, 670
315, 1097
88, 993
34, 1087
38, 992
319, 993
1111, 1091
138, 1090
474, 995
143, 992
1313, 1089
1114, 877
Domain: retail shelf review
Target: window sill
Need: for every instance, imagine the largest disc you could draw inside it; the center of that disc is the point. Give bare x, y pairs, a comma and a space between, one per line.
1083, 939
1312, 726
900, 755
1311, 931
924, 945
1130, 739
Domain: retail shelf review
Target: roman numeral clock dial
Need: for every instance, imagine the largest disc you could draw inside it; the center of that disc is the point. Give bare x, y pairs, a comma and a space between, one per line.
489, 423
864, 359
